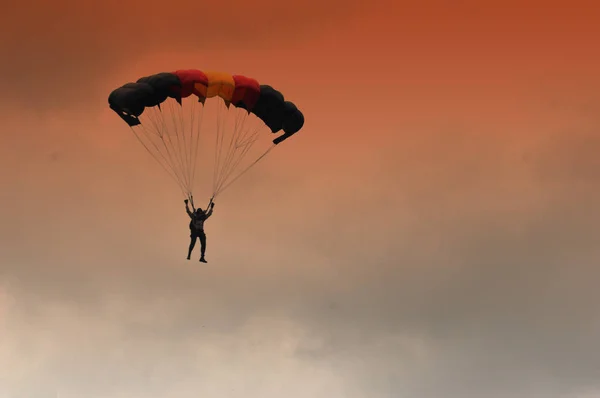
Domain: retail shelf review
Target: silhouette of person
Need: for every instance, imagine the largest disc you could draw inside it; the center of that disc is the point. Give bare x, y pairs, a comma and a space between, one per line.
198, 216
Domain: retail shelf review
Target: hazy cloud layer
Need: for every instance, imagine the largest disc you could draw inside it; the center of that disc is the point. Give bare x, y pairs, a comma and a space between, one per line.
485, 288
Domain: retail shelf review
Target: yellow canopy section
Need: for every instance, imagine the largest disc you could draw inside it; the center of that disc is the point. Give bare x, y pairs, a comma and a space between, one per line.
219, 84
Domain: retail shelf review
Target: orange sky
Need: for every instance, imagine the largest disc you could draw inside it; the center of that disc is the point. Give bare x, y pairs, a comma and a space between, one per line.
438, 209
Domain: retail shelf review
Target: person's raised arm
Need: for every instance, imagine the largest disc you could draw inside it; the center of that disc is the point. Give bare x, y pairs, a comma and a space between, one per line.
210, 211
187, 209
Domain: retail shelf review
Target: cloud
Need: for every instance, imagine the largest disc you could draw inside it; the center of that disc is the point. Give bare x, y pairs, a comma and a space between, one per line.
466, 292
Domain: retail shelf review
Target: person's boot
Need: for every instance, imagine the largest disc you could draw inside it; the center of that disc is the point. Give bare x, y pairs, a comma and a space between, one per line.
202, 259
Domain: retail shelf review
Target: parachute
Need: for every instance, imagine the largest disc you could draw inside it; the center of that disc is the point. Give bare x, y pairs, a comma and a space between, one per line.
167, 112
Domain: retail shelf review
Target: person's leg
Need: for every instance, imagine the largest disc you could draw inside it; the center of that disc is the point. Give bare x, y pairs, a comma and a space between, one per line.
202, 236
192, 244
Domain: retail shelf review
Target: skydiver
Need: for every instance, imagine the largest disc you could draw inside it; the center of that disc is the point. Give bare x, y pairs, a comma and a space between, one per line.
198, 216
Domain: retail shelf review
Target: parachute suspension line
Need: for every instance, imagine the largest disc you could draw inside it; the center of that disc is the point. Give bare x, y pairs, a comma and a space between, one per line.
184, 150
231, 163
178, 153
223, 156
246, 144
159, 162
189, 126
170, 127
165, 140
197, 145
189, 133
219, 145
162, 131
247, 136
187, 130
221, 167
188, 148
149, 136
244, 141
230, 170
244, 171
155, 117
177, 148
224, 167
176, 129
217, 148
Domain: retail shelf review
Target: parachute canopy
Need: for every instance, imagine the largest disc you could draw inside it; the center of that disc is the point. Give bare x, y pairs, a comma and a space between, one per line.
268, 104
165, 111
